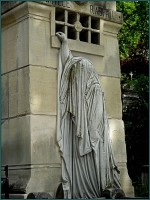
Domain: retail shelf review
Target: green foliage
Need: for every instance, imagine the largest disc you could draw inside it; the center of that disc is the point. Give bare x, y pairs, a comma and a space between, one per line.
133, 41
135, 28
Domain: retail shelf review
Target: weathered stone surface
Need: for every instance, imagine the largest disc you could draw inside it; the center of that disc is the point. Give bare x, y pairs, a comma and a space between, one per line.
15, 47
16, 141
43, 90
4, 51
112, 62
5, 143
38, 42
112, 95
13, 94
125, 180
44, 178
44, 148
119, 148
111, 87
110, 5
118, 139
23, 91
22, 146
18, 92
5, 96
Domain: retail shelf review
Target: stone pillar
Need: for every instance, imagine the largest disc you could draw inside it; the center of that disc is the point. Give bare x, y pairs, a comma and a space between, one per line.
29, 87
29, 78
111, 84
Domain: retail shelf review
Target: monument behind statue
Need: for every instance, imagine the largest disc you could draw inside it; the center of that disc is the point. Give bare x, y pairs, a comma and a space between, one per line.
88, 164
30, 50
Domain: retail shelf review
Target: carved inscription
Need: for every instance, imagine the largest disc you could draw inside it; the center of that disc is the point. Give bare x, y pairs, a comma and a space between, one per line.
92, 9
64, 4
96, 10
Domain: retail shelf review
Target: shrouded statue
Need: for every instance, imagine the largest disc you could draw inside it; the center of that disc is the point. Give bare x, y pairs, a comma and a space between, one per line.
88, 165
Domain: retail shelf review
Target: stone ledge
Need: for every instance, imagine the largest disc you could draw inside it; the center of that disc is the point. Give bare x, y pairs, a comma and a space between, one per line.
74, 45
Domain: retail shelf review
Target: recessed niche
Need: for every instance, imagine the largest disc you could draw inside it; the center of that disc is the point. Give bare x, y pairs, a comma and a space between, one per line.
72, 17
84, 20
84, 35
94, 38
76, 25
95, 23
71, 33
60, 15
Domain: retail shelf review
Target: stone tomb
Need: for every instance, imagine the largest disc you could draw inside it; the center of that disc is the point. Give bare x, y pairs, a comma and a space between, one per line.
29, 85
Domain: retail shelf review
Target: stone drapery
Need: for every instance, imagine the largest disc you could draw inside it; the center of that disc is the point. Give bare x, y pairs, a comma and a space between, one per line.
88, 164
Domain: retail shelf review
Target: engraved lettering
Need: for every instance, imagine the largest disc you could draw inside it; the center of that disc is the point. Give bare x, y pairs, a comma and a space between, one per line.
96, 10
64, 4
91, 9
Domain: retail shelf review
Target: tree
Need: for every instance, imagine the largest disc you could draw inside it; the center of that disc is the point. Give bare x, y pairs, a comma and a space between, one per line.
133, 40
135, 29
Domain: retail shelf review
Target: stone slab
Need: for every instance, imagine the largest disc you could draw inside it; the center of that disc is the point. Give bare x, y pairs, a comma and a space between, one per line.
43, 140
23, 91
118, 140
4, 51
112, 59
5, 141
43, 86
15, 48
18, 92
44, 179
16, 148
126, 181
37, 42
5, 97
112, 95
13, 94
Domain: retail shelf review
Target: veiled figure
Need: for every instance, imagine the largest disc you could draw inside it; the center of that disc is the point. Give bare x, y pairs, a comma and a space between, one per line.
88, 164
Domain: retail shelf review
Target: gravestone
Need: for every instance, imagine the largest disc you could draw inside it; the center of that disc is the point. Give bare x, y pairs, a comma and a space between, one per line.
30, 51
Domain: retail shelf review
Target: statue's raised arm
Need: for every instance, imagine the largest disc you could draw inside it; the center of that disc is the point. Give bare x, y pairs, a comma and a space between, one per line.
65, 52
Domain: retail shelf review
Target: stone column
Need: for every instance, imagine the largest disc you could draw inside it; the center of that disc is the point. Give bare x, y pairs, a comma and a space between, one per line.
29, 78
111, 84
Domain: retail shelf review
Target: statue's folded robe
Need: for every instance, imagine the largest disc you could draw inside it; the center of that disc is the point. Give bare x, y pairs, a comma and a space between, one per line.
88, 164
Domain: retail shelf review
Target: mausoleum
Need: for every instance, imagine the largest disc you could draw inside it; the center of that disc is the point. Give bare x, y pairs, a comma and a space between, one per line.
30, 57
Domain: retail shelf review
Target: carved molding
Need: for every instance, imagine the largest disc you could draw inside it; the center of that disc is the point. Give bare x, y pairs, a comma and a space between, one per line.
87, 48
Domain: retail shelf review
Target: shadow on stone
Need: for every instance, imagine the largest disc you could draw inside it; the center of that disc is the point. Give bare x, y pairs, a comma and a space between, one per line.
112, 193
39, 195
59, 192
